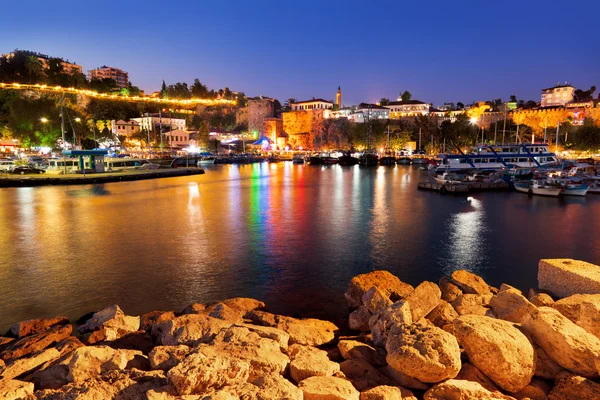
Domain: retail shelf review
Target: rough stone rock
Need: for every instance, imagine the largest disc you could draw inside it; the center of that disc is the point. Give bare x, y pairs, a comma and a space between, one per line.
194, 308
569, 345
423, 299
33, 326
536, 390
363, 375
571, 387
189, 329
455, 389
15, 390
121, 385
199, 372
36, 342
328, 388
449, 290
226, 313
541, 300
443, 315
382, 393
27, 365
90, 361
358, 319
583, 310
426, 353
545, 367
281, 337
308, 332
383, 321
511, 305
141, 341
153, 317
309, 361
469, 372
564, 277
68, 344
264, 355
506, 286
402, 379
112, 318
166, 357
375, 300
498, 349
390, 286
476, 304
469, 283
354, 350
244, 304
275, 387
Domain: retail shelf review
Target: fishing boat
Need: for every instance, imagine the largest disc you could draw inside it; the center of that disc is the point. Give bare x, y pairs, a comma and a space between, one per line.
347, 160
539, 188
206, 160
532, 155
368, 159
387, 156
298, 159
418, 157
574, 189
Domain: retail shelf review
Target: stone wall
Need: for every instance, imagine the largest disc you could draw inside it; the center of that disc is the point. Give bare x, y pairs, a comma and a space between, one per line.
303, 127
272, 128
241, 116
258, 110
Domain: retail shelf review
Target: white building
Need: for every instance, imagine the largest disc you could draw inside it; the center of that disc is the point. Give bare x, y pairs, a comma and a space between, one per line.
558, 95
153, 123
176, 139
314, 104
408, 108
124, 128
368, 112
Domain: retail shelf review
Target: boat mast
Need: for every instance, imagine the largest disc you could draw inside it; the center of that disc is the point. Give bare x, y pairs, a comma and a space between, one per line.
419, 139
62, 128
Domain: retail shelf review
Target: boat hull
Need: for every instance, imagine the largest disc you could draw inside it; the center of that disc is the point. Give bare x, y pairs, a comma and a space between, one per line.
539, 191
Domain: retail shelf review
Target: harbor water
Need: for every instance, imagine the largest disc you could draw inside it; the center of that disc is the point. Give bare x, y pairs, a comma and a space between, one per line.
290, 235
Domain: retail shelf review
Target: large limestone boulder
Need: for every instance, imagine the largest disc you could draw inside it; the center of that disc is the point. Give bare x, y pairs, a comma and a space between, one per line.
281, 337
91, 361
382, 393
469, 372
189, 329
363, 375
455, 389
545, 367
308, 331
402, 379
564, 277
27, 365
390, 286
154, 317
571, 387
199, 372
245, 304
511, 305
273, 387
328, 388
469, 283
426, 353
263, 355
498, 349
583, 310
36, 342
33, 326
569, 345
477, 304
226, 313
541, 300
449, 290
355, 350
383, 321
423, 299
375, 300
536, 390
166, 357
113, 323
358, 319
309, 361
15, 390
443, 315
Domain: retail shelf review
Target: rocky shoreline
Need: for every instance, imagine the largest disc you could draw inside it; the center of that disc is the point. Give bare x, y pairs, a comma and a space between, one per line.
458, 339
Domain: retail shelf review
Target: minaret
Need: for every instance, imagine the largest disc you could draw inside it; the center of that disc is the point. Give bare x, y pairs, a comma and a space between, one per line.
338, 98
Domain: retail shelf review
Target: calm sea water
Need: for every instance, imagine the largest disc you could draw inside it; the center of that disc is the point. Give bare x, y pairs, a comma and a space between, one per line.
291, 235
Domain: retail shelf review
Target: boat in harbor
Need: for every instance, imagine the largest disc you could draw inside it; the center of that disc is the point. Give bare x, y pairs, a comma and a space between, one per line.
298, 159
206, 160
347, 160
419, 158
500, 157
539, 188
368, 159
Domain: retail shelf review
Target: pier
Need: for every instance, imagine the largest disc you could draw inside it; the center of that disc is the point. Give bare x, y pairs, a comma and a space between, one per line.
464, 187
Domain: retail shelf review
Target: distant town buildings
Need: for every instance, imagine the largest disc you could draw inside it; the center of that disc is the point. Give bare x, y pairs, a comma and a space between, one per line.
558, 95
368, 112
125, 128
154, 122
118, 75
176, 139
67, 66
314, 104
407, 108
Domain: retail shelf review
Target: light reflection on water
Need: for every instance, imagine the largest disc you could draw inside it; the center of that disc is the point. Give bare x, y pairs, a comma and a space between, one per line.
291, 235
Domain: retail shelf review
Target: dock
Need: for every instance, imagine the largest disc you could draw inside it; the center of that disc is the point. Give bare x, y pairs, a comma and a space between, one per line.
7, 180
464, 187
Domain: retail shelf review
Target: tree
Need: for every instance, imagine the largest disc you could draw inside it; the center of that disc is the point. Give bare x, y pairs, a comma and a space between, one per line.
287, 106
198, 90
105, 85
34, 69
406, 96
460, 106
513, 98
384, 101
203, 135
163, 90
584, 95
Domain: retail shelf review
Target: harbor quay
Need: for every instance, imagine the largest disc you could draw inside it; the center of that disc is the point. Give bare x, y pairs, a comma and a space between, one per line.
459, 338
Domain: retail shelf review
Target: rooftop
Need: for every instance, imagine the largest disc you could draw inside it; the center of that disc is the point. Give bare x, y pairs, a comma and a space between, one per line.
313, 101
558, 85
405, 102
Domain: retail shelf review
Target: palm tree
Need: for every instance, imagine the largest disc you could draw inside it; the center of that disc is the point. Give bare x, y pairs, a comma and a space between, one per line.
34, 69
287, 106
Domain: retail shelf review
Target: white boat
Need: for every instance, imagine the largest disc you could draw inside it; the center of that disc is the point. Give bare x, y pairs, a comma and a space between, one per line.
449, 177
538, 187
575, 190
206, 160
499, 157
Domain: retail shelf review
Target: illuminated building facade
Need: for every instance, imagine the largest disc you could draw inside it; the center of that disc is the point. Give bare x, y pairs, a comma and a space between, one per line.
116, 74
558, 95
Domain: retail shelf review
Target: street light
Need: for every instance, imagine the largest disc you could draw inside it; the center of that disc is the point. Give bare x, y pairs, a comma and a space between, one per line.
77, 119
44, 120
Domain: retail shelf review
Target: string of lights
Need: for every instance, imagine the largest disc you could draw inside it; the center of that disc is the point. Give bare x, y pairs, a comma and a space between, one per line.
94, 94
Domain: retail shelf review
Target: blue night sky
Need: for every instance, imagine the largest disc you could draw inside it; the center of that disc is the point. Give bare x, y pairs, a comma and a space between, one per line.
439, 51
